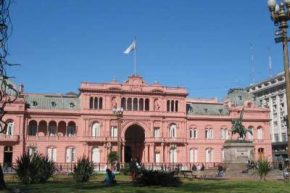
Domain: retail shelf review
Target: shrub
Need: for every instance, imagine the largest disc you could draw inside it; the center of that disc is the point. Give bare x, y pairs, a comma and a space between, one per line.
263, 168
34, 169
83, 170
46, 169
112, 156
159, 178
125, 170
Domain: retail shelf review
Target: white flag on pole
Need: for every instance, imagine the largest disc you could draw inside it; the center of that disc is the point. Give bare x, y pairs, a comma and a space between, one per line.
131, 48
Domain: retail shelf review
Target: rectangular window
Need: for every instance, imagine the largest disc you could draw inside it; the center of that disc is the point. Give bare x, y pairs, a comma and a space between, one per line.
284, 137
156, 132
51, 154
276, 136
224, 133
209, 133
114, 132
192, 134
32, 151
157, 157
70, 154
9, 130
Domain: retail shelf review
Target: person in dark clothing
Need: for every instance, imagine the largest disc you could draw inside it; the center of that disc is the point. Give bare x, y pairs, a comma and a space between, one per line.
109, 178
133, 169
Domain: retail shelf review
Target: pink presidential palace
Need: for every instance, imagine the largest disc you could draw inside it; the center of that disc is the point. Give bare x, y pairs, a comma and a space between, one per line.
159, 124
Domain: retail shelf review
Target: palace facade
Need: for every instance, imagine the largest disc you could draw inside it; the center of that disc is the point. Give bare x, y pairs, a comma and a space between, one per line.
159, 124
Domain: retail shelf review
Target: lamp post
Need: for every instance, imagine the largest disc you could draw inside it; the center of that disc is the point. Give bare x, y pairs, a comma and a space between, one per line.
118, 112
280, 14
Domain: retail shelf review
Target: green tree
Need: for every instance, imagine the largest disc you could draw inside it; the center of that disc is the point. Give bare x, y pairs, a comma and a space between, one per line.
112, 156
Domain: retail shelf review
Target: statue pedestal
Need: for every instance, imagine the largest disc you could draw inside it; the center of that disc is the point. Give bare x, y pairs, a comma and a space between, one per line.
237, 153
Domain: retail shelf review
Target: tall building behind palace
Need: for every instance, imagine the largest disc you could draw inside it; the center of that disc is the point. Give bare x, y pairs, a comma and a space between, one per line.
159, 124
271, 93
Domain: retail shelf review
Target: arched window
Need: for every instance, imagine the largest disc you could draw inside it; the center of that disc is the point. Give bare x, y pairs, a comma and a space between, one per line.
135, 104
129, 104
70, 154
10, 128
249, 135
146, 104
42, 128
141, 104
101, 103
168, 106
32, 128
52, 128
192, 155
172, 130
208, 133
96, 157
209, 155
71, 129
62, 128
123, 103
91, 102
176, 106
224, 134
96, 103
260, 133
172, 106
96, 130
51, 154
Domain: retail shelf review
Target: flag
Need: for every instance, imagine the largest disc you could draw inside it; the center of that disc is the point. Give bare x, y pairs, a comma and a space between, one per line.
131, 48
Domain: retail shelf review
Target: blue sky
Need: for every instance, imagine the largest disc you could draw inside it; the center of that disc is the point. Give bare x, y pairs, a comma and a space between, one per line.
205, 46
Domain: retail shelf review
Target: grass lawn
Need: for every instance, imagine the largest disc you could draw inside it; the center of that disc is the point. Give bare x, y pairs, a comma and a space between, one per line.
61, 184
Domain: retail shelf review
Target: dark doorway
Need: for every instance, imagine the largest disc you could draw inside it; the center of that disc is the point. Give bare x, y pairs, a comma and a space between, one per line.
8, 152
261, 153
134, 143
128, 154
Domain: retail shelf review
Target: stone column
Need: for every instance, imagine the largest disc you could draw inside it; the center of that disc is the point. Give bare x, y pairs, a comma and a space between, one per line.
161, 153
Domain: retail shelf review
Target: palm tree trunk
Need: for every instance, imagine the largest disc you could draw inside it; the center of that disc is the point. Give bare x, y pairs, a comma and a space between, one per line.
2, 181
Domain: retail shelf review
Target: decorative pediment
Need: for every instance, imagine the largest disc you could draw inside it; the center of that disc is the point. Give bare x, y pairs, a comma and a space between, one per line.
135, 80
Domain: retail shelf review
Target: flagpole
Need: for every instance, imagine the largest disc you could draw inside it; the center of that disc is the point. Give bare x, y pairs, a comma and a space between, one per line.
135, 58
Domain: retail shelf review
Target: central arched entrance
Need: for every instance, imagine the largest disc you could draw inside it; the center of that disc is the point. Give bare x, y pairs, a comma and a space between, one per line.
134, 143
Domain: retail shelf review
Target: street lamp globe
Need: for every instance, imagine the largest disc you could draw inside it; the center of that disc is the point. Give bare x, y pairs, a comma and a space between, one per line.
287, 2
271, 4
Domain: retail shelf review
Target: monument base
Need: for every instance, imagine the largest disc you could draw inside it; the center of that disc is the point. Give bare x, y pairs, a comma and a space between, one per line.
238, 152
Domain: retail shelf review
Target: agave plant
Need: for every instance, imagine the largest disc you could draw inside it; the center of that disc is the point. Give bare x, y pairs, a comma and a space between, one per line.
263, 168
35, 168
83, 170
